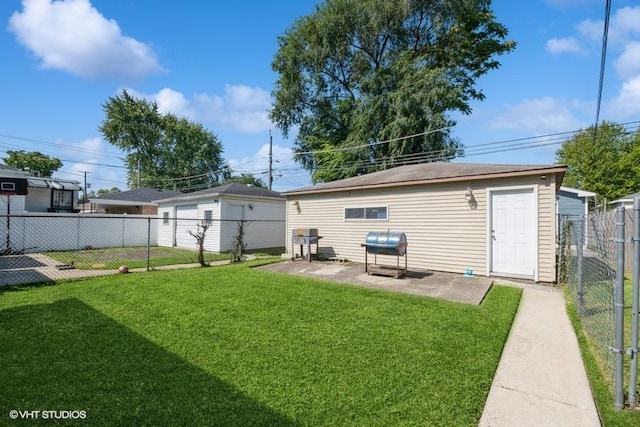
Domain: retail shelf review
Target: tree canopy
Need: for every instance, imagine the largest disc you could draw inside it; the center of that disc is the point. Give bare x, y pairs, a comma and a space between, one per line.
162, 147
357, 73
247, 178
608, 166
35, 162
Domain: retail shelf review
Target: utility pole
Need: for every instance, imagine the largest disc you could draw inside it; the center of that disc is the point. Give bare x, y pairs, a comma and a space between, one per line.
270, 159
139, 180
85, 199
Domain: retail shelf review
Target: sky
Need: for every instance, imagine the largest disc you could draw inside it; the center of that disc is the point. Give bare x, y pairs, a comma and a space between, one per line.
210, 61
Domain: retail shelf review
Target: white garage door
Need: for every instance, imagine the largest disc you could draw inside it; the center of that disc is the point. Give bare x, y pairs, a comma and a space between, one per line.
186, 219
512, 232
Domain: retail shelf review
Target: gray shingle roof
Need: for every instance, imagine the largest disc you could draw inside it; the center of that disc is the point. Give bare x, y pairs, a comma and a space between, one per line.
428, 173
232, 189
145, 195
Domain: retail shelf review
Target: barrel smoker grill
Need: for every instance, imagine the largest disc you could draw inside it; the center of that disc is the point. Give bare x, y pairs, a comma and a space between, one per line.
385, 243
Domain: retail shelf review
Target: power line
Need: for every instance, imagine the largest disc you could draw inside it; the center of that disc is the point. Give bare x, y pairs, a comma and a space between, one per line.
603, 60
331, 150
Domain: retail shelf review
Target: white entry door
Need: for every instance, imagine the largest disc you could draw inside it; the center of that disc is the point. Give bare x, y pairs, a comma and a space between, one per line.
513, 234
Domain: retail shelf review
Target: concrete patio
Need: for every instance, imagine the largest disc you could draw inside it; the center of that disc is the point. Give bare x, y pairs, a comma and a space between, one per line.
449, 286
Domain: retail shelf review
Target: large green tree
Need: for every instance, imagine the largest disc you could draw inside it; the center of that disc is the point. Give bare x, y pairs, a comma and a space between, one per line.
162, 149
608, 165
35, 162
359, 72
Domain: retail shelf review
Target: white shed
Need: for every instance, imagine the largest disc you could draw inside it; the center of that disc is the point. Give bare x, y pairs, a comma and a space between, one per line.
261, 211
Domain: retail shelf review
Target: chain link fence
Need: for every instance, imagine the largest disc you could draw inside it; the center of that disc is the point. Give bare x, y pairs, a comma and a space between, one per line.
599, 260
587, 264
41, 248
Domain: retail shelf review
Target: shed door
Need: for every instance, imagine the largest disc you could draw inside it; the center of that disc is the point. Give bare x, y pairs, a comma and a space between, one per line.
186, 220
512, 232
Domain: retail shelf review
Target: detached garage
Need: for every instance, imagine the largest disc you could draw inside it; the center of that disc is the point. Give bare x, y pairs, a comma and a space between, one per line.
496, 220
262, 212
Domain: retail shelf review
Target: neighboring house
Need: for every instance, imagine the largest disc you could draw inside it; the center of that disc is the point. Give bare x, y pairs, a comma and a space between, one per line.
222, 207
43, 195
573, 204
138, 201
13, 189
626, 201
496, 220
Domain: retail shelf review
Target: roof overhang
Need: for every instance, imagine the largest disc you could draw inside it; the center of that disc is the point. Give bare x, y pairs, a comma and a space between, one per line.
579, 193
107, 202
53, 183
215, 196
559, 171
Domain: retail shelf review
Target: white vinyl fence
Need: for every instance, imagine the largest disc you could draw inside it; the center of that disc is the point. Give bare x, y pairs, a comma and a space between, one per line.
31, 232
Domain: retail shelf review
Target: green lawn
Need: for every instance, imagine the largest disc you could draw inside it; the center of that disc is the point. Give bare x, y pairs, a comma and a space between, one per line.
232, 345
133, 257
601, 384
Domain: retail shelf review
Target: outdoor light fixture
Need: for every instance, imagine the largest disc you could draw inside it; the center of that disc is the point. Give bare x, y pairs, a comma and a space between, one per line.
468, 195
251, 206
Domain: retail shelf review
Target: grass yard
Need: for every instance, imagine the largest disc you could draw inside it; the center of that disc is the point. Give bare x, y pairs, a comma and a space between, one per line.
233, 345
594, 329
133, 257
601, 384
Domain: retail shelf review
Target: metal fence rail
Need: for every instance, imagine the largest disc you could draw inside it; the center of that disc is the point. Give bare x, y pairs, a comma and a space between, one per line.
37, 248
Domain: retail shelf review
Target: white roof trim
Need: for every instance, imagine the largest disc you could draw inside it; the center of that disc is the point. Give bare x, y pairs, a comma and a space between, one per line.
579, 193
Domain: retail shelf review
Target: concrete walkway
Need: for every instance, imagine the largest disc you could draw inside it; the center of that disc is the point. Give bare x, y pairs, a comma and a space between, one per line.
541, 380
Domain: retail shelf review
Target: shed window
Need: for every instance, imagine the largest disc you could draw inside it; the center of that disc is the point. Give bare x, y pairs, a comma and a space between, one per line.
364, 213
208, 217
165, 218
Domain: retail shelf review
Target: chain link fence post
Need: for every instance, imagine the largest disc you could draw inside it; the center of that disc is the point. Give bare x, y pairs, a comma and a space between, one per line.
619, 308
633, 374
578, 233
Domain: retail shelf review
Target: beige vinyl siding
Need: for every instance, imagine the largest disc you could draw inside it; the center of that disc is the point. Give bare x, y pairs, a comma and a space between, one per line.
438, 221
547, 231
444, 231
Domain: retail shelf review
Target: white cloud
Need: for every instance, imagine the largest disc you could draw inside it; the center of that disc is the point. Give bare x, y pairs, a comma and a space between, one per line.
71, 35
286, 172
590, 30
174, 102
539, 116
564, 45
625, 24
627, 103
628, 63
241, 108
